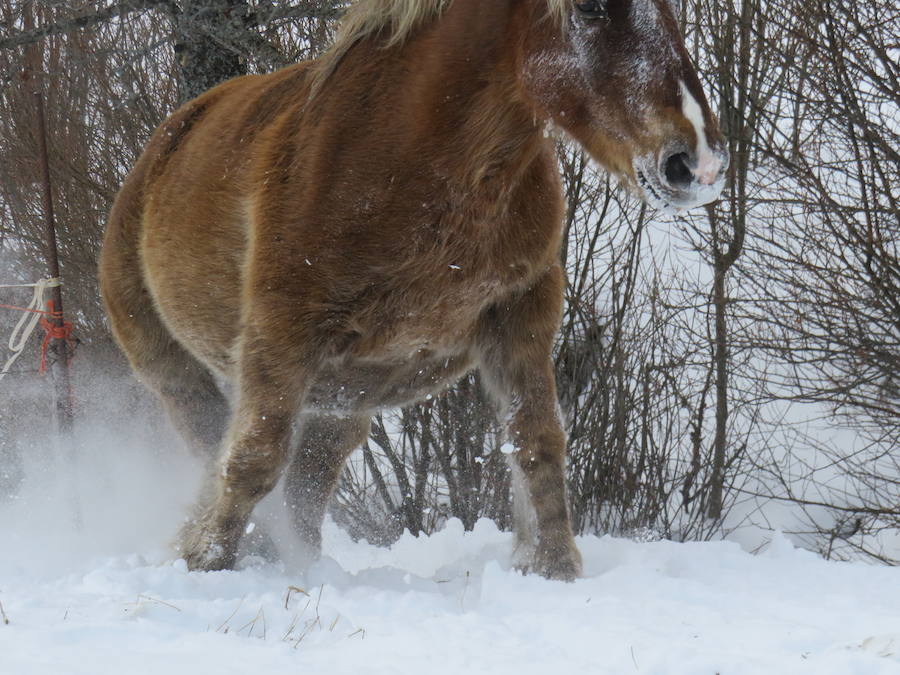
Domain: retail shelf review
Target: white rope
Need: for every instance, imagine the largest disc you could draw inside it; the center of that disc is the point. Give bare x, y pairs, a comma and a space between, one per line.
46, 283
29, 321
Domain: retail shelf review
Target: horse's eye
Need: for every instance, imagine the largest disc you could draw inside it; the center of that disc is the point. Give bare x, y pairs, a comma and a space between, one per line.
593, 9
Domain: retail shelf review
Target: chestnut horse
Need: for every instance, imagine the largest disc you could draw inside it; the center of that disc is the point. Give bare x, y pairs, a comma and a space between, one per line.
358, 231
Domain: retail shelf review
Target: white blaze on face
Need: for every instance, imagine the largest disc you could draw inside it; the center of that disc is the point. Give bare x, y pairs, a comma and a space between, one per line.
708, 164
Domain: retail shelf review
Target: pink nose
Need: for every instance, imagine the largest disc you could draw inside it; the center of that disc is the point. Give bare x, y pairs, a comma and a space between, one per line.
709, 166
681, 170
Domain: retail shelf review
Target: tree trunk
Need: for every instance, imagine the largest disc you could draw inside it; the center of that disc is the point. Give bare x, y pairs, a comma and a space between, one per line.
211, 39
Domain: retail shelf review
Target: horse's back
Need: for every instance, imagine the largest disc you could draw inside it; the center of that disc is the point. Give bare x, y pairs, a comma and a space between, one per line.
176, 235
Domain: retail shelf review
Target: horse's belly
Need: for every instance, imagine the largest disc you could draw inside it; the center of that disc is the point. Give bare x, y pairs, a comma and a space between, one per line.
352, 386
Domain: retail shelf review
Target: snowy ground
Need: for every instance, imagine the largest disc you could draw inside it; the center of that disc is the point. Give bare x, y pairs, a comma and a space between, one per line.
109, 599
449, 604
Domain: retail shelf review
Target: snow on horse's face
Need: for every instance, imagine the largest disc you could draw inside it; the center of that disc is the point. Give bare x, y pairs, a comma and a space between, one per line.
616, 76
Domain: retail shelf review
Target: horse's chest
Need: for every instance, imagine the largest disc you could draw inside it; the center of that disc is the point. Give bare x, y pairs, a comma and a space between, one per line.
437, 313
434, 292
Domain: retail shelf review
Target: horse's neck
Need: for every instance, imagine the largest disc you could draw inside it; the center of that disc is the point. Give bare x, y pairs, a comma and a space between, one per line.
462, 83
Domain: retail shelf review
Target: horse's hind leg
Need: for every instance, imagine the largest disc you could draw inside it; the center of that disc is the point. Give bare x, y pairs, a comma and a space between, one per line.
325, 444
192, 399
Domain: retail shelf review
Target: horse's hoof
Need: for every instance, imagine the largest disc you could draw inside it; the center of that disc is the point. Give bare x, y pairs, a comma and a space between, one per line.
558, 564
204, 553
210, 560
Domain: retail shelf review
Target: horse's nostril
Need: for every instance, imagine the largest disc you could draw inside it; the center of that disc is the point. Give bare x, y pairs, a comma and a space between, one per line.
678, 173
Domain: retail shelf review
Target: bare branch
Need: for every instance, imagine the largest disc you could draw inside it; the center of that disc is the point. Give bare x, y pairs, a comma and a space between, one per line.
26, 37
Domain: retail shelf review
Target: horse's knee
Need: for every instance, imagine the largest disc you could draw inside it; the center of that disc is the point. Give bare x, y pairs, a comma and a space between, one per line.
256, 457
253, 475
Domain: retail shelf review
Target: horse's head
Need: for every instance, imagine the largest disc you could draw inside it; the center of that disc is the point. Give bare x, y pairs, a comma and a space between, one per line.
616, 76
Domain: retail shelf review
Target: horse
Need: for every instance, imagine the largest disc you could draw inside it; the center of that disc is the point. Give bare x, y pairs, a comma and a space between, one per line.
358, 231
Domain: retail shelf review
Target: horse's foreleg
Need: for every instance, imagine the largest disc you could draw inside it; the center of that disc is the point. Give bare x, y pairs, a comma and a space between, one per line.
326, 442
255, 453
516, 340
539, 445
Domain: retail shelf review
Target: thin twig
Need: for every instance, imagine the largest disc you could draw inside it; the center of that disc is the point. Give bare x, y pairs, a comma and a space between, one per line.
293, 589
295, 621
230, 617
252, 623
161, 602
309, 626
25, 37
318, 600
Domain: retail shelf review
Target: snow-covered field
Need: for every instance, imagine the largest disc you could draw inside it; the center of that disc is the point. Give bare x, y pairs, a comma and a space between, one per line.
109, 598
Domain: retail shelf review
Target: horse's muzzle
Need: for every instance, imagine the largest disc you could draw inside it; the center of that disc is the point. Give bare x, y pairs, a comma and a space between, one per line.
681, 179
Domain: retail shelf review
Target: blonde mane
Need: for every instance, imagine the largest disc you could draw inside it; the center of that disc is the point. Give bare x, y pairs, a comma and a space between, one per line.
397, 20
